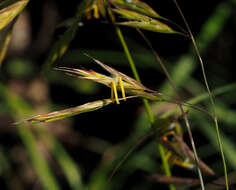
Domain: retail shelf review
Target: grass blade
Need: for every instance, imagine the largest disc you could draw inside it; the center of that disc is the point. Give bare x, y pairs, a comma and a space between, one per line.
4, 44
17, 106
69, 167
9, 10
61, 45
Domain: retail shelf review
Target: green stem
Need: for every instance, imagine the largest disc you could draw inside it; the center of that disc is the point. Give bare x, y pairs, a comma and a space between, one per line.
165, 164
126, 50
146, 103
222, 153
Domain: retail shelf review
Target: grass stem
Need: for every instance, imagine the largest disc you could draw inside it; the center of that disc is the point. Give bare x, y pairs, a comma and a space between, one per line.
209, 93
158, 58
146, 103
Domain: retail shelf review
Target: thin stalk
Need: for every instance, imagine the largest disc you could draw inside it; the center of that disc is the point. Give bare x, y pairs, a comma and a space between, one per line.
180, 106
146, 103
136, 75
165, 164
209, 93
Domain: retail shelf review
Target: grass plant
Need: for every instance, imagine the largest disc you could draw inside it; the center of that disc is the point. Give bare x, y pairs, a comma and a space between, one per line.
158, 143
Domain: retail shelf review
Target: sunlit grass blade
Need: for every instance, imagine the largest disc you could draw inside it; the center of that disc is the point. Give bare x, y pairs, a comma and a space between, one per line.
57, 115
9, 10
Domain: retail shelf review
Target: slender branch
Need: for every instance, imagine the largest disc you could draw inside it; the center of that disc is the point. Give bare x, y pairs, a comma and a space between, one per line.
209, 93
165, 164
180, 106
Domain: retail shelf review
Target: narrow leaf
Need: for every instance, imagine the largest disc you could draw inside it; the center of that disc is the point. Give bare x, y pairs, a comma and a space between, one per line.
131, 15
9, 10
154, 26
17, 107
101, 7
4, 44
137, 6
68, 165
61, 45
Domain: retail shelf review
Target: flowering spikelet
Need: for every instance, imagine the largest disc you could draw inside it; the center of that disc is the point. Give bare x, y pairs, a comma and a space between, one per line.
117, 81
92, 8
57, 115
171, 136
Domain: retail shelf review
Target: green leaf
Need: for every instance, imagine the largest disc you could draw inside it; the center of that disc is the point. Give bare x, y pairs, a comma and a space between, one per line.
101, 7
68, 165
17, 107
9, 10
141, 21
131, 15
154, 26
229, 147
4, 44
137, 6
61, 46
39, 162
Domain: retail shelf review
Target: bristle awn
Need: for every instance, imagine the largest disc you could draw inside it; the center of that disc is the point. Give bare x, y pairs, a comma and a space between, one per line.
209, 92
198, 108
180, 106
125, 157
184, 103
185, 33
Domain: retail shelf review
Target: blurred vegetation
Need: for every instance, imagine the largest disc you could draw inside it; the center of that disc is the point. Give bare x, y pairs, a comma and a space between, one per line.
82, 151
